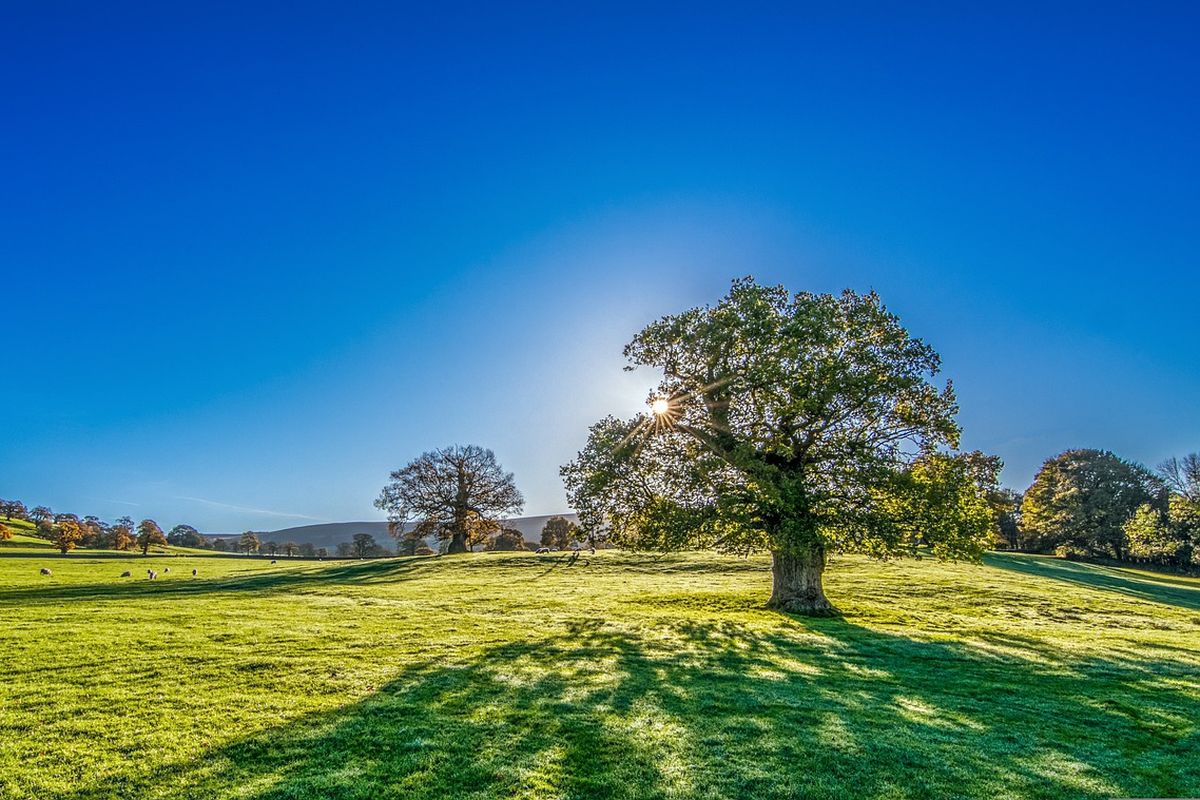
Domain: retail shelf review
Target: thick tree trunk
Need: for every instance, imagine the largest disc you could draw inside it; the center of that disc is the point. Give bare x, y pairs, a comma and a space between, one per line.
458, 543
796, 584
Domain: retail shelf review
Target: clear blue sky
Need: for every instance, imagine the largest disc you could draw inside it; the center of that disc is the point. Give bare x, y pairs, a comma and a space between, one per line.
254, 258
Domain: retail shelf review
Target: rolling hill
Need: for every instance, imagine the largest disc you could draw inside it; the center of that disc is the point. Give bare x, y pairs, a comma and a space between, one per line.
330, 534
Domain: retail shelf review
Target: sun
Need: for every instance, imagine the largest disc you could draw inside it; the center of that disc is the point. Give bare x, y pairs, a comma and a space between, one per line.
660, 406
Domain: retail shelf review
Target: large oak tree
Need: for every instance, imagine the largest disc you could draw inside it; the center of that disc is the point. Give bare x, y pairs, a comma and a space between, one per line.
458, 494
796, 424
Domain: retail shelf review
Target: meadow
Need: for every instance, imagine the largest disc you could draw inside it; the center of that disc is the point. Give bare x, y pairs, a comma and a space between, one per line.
633, 676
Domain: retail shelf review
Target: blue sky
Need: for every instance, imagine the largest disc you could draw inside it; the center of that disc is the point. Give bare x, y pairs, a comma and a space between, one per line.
253, 258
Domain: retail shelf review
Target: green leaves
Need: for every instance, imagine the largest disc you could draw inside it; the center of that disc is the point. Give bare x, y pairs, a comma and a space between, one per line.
795, 422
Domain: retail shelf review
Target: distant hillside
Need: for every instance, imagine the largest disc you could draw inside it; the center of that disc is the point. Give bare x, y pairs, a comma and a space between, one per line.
330, 534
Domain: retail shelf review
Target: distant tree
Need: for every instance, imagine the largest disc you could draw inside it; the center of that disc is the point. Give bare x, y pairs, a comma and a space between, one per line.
558, 533
1182, 476
272, 548
67, 534
457, 494
322, 552
1081, 499
149, 534
5, 532
120, 535
507, 539
345, 550
1149, 535
364, 545
290, 549
95, 532
248, 543
1006, 517
45, 529
220, 545
12, 509
308, 550
41, 514
186, 536
66, 517
407, 545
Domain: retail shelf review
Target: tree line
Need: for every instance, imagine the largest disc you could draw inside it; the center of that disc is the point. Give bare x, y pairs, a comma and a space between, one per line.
1094, 504
68, 531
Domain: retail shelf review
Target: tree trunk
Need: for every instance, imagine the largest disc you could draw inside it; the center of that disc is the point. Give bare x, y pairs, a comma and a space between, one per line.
796, 584
458, 543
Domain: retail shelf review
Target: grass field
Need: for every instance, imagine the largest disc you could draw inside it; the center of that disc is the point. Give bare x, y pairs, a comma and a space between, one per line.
494, 675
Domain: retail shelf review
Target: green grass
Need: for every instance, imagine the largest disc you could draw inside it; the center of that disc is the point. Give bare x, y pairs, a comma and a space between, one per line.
496, 675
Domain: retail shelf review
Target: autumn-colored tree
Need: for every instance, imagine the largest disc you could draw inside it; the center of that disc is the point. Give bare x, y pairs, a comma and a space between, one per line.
559, 533
248, 543
120, 535
95, 532
149, 534
290, 549
5, 532
457, 494
68, 534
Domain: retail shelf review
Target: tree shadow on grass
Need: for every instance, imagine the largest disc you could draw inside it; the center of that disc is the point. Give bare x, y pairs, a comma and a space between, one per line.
801, 709
1132, 584
183, 585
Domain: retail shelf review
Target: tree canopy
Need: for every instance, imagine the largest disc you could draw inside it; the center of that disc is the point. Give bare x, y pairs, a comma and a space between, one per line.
1080, 501
796, 424
149, 533
457, 494
559, 533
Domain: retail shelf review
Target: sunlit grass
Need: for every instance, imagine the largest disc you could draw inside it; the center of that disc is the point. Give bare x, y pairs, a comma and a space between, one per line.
495, 675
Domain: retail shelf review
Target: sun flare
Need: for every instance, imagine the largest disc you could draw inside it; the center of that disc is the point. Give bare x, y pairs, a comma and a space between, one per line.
660, 406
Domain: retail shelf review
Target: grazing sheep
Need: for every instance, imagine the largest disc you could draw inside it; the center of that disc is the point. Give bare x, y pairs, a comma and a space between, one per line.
193, 573
166, 569
126, 574
542, 550
272, 561
45, 571
153, 574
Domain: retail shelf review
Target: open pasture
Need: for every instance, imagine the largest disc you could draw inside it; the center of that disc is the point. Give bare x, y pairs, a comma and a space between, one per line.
495, 675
